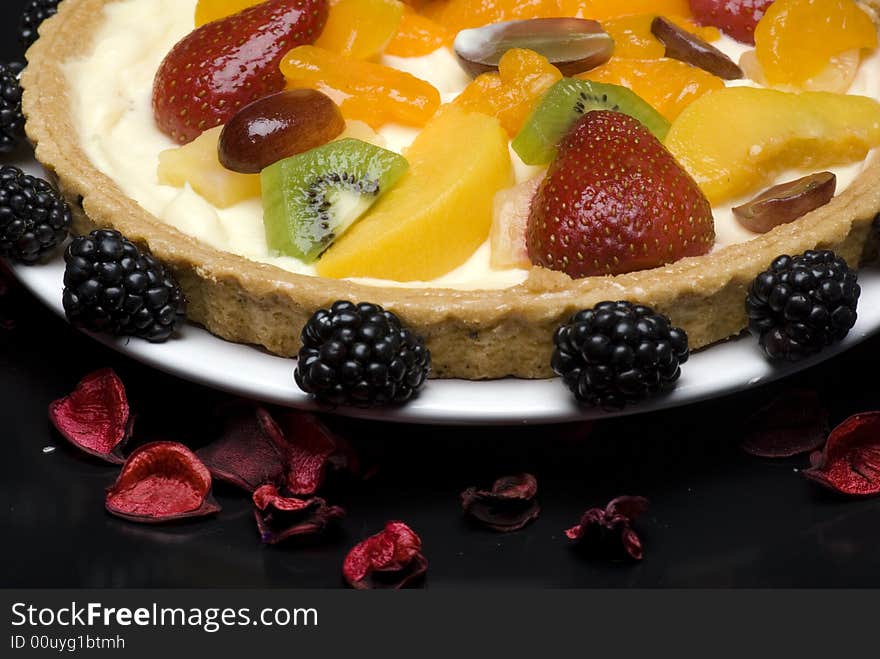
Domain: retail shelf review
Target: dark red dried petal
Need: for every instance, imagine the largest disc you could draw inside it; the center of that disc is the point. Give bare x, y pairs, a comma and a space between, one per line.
161, 482
248, 452
608, 531
850, 461
509, 506
629, 507
295, 453
311, 449
267, 497
632, 544
390, 559
280, 518
792, 424
95, 417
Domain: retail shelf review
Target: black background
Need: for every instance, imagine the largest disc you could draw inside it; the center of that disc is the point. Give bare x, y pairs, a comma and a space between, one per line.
718, 517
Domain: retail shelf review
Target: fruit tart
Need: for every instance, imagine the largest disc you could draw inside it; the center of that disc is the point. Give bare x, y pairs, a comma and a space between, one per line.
483, 170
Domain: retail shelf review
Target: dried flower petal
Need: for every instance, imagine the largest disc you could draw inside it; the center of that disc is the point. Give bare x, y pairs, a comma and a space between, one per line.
792, 424
160, 482
279, 517
311, 449
391, 559
609, 530
95, 417
509, 506
296, 454
250, 451
850, 461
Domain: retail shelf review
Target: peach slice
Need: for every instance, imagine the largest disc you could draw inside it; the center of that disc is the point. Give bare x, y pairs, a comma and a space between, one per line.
439, 213
736, 140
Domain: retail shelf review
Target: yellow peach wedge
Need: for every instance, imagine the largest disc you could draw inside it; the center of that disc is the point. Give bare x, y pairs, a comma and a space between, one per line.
735, 141
439, 213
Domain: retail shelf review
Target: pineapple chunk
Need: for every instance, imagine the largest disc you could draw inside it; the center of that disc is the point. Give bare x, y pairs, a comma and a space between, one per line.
439, 213
198, 164
737, 140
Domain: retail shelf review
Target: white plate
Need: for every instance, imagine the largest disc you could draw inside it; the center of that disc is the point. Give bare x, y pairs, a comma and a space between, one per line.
247, 371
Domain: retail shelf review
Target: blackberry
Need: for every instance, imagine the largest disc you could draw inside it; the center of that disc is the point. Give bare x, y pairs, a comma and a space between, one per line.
618, 353
111, 286
34, 219
802, 304
35, 12
11, 117
360, 354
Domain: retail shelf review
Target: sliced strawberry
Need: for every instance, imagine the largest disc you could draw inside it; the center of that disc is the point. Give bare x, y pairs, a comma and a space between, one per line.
224, 65
736, 18
615, 201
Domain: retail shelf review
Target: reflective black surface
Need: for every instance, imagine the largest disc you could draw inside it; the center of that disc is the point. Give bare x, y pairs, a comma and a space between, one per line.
718, 516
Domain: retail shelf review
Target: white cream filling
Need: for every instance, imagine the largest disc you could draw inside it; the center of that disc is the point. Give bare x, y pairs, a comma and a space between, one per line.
113, 113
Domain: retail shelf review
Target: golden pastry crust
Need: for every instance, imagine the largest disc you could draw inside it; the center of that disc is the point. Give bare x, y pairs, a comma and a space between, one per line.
471, 334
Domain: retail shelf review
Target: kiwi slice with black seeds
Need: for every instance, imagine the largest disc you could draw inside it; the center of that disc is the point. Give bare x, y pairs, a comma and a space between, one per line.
312, 198
565, 102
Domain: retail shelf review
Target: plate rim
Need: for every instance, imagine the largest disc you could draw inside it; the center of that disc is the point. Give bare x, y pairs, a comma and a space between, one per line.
433, 405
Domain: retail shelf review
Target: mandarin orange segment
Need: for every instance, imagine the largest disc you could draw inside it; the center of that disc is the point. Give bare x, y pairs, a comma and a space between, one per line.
633, 38
360, 28
601, 10
208, 11
511, 94
458, 15
668, 85
461, 14
417, 35
368, 92
798, 39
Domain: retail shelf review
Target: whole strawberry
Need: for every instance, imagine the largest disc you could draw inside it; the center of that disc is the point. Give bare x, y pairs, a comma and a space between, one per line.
222, 66
736, 18
615, 201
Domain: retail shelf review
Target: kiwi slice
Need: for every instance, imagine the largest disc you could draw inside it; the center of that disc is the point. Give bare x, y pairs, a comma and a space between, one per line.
567, 100
312, 198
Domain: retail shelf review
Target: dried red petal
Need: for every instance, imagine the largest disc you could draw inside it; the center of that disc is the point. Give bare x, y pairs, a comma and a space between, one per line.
509, 506
96, 417
250, 452
629, 507
280, 518
850, 461
297, 454
792, 424
609, 531
391, 559
311, 449
160, 482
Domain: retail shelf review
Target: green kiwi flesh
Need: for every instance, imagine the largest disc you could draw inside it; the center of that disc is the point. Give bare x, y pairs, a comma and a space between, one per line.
565, 102
312, 198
